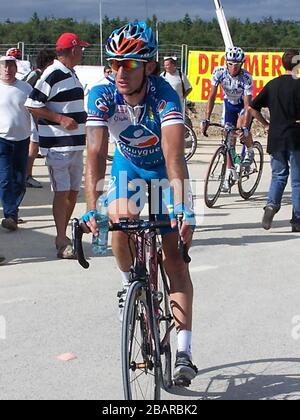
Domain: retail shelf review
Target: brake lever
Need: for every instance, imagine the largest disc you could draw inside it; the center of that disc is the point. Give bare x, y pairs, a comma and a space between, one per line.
183, 248
77, 234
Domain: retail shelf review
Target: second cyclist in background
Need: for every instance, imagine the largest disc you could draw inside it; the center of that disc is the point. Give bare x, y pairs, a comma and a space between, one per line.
237, 85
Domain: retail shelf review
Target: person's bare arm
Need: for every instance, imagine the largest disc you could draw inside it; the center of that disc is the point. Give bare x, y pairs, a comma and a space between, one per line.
45, 113
97, 150
247, 116
211, 102
258, 115
209, 109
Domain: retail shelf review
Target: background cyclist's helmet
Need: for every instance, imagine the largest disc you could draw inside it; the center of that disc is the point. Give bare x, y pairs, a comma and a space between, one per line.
235, 55
133, 41
14, 52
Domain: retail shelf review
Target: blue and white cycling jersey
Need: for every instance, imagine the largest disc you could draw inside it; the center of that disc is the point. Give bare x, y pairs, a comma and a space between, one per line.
235, 88
136, 130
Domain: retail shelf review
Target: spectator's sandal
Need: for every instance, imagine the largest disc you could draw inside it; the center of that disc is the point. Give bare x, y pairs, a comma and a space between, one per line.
65, 252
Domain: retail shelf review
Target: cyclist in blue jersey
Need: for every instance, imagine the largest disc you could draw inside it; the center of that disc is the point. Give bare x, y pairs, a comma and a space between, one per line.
237, 85
144, 116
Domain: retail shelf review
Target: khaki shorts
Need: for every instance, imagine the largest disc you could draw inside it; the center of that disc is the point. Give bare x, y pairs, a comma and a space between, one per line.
65, 169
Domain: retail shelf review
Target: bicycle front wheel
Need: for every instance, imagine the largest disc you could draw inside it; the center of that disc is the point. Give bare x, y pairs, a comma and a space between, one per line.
215, 177
251, 175
140, 367
190, 142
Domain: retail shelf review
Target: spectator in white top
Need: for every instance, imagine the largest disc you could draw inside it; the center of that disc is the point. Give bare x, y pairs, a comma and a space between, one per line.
15, 130
176, 79
57, 101
23, 66
107, 79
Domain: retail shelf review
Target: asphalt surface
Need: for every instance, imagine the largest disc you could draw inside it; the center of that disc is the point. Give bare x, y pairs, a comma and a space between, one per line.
246, 340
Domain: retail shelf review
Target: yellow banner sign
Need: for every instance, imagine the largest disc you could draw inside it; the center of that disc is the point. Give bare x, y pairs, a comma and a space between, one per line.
262, 66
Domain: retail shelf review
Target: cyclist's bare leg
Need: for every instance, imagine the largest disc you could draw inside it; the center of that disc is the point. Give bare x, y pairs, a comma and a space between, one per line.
119, 209
181, 287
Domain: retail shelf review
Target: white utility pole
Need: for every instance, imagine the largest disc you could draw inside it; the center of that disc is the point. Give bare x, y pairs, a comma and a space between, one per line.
101, 32
223, 24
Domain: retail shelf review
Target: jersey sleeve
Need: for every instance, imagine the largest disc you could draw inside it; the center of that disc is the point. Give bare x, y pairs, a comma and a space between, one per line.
248, 89
101, 106
40, 94
169, 105
216, 76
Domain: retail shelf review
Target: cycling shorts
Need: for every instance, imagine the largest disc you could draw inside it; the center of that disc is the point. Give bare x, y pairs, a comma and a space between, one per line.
131, 182
231, 112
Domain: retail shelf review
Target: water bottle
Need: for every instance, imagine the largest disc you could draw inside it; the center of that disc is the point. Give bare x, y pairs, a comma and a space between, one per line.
237, 163
235, 170
99, 243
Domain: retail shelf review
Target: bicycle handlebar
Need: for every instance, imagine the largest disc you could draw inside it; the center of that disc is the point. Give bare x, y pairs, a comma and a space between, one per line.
125, 225
229, 129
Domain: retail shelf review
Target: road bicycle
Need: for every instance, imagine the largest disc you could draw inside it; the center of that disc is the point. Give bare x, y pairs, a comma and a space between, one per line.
147, 319
228, 166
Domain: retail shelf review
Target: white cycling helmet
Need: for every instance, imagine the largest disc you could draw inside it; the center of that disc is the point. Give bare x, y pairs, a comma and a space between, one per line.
235, 55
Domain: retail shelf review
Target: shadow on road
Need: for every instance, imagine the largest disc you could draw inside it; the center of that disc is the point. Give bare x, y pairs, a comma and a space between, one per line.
269, 379
244, 240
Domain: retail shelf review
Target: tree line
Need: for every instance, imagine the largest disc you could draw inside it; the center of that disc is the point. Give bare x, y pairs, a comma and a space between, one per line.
266, 34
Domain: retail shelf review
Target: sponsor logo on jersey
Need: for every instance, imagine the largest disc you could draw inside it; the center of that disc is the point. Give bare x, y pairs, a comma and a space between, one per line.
138, 137
100, 105
161, 106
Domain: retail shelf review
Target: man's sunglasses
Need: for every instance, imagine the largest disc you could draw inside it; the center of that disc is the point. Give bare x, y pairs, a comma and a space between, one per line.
127, 65
230, 63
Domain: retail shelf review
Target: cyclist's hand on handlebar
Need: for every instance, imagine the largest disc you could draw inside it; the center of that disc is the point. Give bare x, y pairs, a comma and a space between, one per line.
186, 233
244, 134
188, 222
88, 222
204, 124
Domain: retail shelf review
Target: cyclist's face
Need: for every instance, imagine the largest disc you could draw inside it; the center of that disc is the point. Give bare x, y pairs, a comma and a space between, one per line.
234, 68
129, 75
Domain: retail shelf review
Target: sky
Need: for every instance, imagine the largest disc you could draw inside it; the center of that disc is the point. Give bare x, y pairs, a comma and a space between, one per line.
20, 10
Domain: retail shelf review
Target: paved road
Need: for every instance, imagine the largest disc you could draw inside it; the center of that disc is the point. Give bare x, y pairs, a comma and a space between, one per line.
246, 298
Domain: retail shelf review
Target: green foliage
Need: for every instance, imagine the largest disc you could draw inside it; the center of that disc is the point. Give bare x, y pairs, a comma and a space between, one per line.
196, 33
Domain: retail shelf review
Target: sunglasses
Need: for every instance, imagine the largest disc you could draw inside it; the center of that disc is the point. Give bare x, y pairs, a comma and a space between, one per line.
128, 65
233, 64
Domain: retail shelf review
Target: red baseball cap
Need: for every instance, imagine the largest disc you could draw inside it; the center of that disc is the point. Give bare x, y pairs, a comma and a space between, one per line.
69, 40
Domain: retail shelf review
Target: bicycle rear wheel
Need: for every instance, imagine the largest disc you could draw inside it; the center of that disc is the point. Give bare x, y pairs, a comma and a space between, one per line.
140, 367
190, 142
251, 175
215, 177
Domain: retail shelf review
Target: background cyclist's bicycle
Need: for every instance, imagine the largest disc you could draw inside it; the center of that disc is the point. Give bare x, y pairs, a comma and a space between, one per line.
227, 168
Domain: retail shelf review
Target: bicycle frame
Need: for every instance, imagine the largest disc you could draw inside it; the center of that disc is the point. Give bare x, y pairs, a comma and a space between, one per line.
144, 278
224, 167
